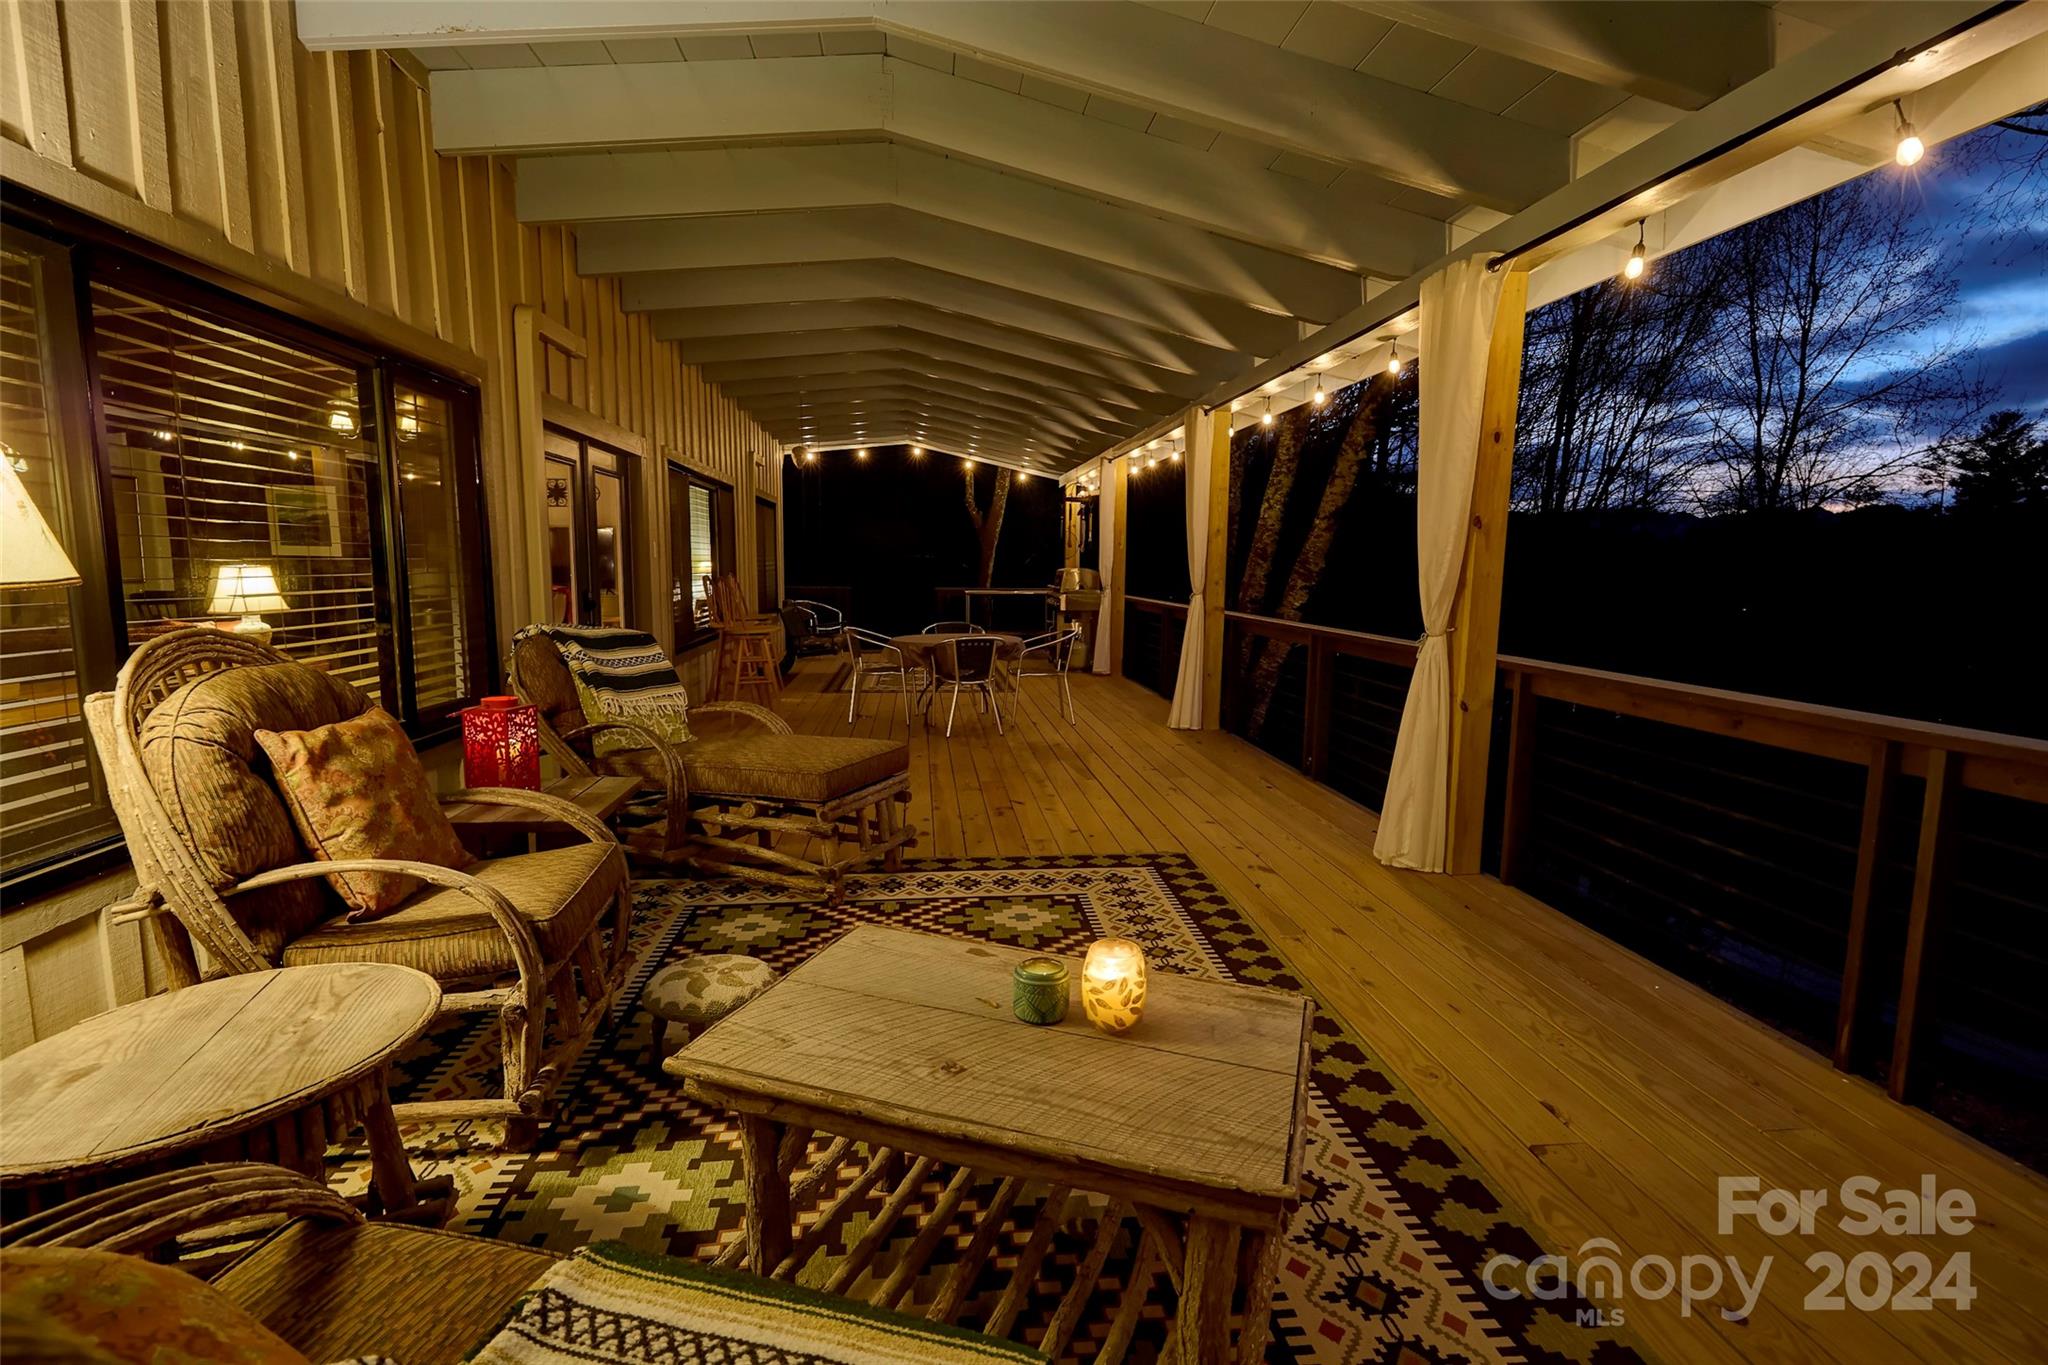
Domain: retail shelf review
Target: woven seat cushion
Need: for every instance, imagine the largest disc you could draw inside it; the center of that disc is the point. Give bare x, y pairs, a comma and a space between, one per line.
810, 768
704, 989
199, 748
450, 936
416, 1296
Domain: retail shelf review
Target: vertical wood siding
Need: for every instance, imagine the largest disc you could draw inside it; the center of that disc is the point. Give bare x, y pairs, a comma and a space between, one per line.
204, 126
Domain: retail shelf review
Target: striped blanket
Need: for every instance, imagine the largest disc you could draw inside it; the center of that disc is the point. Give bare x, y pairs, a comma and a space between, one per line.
611, 1305
622, 674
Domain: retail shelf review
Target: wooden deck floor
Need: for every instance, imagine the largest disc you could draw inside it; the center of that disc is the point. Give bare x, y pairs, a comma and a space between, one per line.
1603, 1095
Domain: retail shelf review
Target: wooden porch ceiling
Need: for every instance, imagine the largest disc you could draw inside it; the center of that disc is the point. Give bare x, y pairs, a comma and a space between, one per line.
1102, 209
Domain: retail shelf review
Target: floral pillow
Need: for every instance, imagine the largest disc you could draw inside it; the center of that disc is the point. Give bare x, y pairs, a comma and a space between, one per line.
356, 789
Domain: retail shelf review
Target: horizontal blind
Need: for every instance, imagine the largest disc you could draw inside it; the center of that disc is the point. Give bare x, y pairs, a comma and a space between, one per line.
227, 448
428, 506
48, 795
703, 558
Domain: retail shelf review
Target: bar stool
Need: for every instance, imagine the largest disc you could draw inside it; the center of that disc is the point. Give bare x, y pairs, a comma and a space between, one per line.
747, 669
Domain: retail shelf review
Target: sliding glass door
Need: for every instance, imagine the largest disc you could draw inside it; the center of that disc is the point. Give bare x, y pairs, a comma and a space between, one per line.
587, 514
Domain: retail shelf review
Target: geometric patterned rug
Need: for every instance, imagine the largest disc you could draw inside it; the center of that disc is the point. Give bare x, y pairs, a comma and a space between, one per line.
1382, 1259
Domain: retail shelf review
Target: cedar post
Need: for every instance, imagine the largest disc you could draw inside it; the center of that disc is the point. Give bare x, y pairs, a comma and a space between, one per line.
1475, 619
1110, 623
1219, 554
1907, 1079
1854, 1011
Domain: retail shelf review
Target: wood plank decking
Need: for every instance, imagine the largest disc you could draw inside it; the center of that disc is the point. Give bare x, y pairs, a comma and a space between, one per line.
1602, 1094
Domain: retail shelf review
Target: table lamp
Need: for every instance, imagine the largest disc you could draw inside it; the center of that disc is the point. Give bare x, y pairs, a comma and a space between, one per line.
247, 591
29, 553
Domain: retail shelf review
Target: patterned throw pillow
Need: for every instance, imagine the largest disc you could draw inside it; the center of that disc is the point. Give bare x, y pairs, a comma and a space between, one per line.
357, 790
77, 1306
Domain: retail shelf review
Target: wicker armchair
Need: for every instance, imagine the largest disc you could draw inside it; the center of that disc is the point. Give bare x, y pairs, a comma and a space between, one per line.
219, 866
731, 797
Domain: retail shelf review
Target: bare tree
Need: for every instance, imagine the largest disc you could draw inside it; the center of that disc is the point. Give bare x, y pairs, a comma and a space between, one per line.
1830, 377
1606, 416
987, 525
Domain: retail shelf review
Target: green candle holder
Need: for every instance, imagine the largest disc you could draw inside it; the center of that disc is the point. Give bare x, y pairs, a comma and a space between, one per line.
1038, 990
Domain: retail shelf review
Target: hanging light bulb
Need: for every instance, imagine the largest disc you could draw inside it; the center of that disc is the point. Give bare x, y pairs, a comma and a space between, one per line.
1394, 359
1266, 417
1911, 148
917, 452
1319, 397
810, 457
861, 454
1634, 269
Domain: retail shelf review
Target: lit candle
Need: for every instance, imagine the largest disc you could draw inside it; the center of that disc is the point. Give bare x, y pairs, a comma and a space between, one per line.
1113, 984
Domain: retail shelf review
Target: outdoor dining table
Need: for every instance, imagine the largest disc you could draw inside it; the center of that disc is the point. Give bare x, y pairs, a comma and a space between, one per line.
918, 650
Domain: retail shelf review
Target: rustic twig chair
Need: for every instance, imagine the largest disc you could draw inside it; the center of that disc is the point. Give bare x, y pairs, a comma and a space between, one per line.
731, 796
329, 1284
226, 871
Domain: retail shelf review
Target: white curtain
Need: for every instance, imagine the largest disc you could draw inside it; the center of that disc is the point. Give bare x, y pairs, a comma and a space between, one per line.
1457, 309
1186, 711
1106, 628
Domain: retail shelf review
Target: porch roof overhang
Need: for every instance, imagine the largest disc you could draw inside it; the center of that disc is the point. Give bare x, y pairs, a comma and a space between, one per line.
1042, 231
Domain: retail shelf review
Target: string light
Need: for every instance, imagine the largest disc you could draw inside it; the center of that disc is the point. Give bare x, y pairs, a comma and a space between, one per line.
1634, 269
810, 457
1394, 358
1266, 417
1911, 148
917, 452
1319, 397
968, 460
861, 454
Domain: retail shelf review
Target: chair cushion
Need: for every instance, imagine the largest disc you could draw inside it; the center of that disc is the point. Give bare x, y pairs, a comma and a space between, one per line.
806, 768
200, 752
378, 1288
130, 1309
356, 789
448, 935
704, 989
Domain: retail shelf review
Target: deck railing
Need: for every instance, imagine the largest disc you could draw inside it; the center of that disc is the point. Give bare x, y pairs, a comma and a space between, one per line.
1861, 867
1151, 642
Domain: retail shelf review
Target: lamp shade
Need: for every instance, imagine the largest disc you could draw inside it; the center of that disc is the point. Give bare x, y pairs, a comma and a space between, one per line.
501, 744
29, 552
243, 589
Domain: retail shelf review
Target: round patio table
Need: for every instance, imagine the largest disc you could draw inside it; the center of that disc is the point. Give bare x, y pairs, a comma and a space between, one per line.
265, 1066
917, 649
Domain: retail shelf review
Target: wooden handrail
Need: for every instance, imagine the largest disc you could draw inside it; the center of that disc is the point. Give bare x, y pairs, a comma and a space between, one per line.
2012, 765
1158, 604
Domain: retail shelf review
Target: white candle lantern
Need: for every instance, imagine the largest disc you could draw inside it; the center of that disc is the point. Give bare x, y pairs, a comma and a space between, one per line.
1113, 984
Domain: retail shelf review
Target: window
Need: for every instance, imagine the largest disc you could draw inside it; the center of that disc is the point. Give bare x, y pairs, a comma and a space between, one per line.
589, 556
251, 475
700, 546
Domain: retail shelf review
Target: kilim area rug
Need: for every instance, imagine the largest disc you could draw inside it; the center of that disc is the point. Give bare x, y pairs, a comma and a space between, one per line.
1383, 1257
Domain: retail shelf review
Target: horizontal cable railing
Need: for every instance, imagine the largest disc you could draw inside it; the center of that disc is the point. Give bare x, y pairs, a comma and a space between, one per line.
1857, 879
1152, 633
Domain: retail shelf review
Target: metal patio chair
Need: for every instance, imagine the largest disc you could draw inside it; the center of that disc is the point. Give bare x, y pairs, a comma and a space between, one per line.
1047, 656
965, 665
860, 644
952, 628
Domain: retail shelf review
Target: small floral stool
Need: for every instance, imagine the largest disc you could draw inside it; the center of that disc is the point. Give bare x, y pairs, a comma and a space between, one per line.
698, 992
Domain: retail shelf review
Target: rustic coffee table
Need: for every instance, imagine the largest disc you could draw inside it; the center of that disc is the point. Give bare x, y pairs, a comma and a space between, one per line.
262, 1066
905, 1041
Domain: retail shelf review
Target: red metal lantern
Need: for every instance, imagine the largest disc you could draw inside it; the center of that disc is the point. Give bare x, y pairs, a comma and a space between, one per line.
501, 744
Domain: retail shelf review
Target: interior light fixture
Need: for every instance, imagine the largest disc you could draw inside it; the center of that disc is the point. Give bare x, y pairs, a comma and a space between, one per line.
1634, 269
1911, 148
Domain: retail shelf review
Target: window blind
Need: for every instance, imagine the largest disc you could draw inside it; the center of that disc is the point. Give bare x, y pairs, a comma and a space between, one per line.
428, 508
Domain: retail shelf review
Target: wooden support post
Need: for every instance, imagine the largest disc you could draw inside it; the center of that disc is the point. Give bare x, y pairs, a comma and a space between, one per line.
1315, 707
1907, 1081
1853, 1012
1214, 586
1110, 623
767, 1193
1514, 824
1475, 619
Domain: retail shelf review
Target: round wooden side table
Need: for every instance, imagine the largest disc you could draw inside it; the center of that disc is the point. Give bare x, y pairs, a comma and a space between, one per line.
267, 1066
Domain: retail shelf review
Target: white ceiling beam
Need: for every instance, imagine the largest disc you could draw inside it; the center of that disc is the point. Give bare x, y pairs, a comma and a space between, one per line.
626, 248
1892, 51
905, 379
1132, 53
896, 337
755, 286
1101, 404
605, 108
1686, 53
732, 180
689, 326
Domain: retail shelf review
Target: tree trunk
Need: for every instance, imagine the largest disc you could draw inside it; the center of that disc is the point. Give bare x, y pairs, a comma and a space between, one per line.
1307, 570
1258, 562
988, 526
